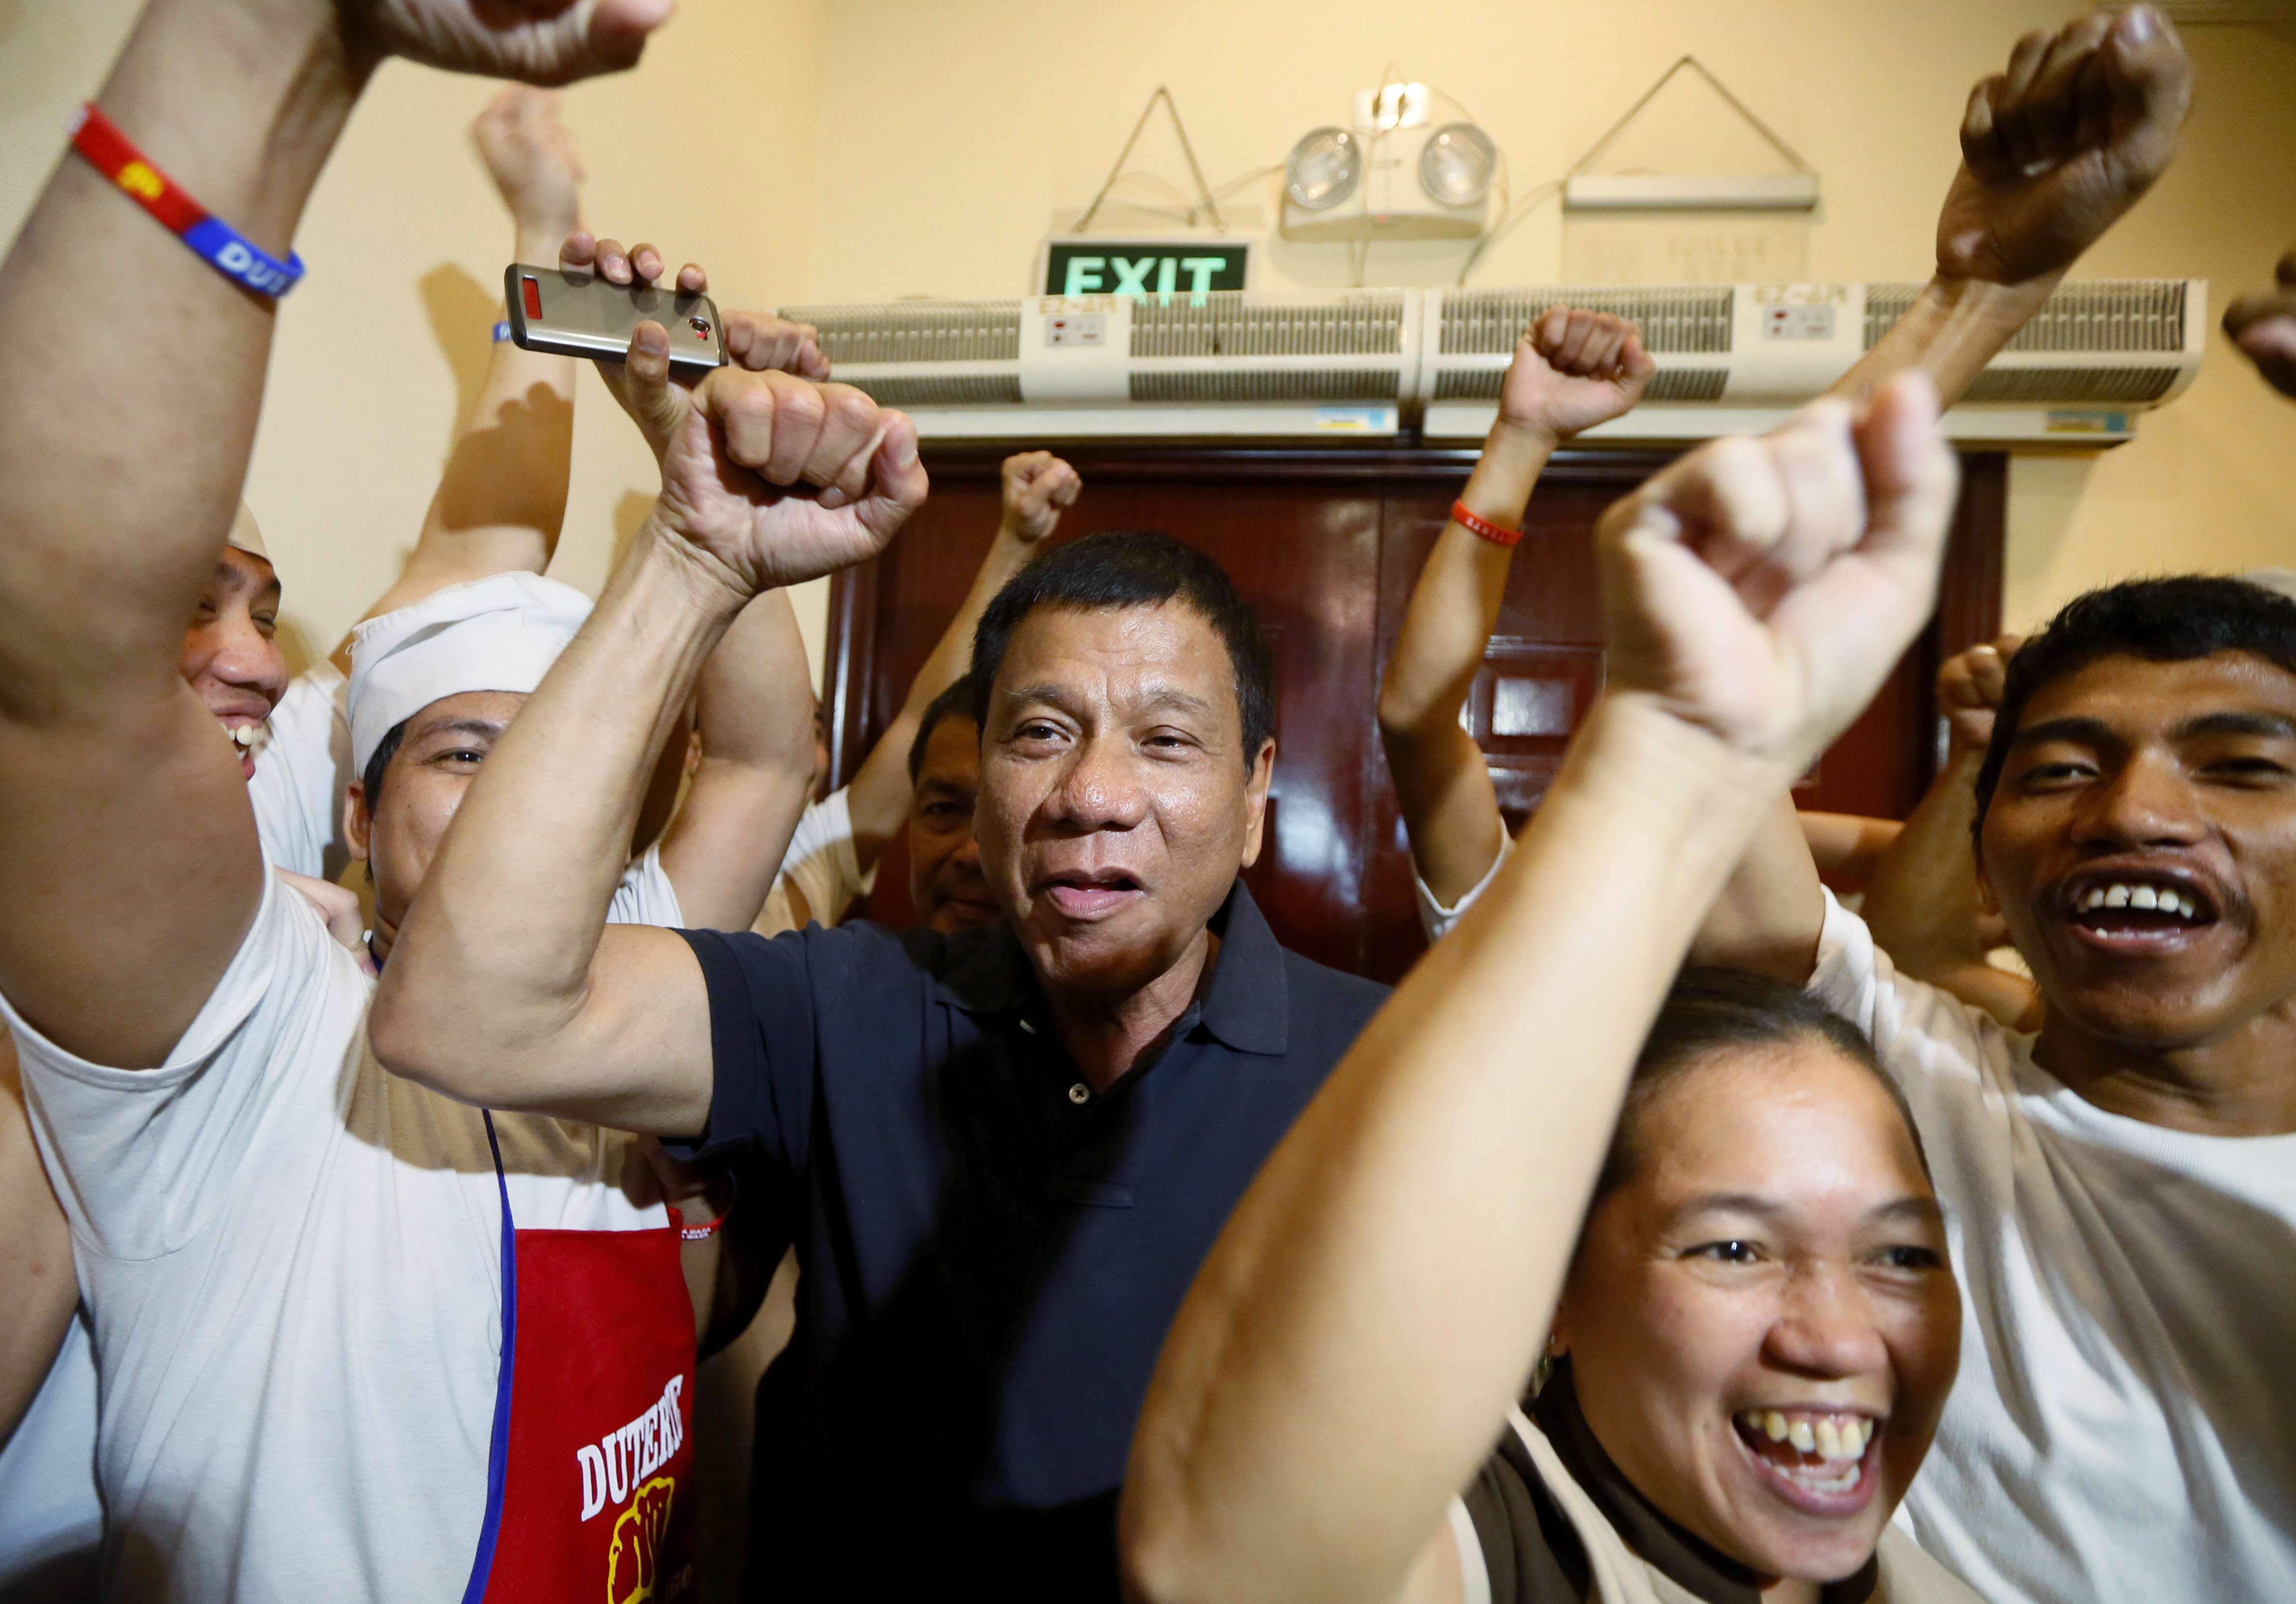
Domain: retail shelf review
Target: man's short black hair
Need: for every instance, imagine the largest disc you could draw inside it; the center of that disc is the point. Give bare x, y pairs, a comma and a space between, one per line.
960, 699
2175, 619
1134, 567
385, 750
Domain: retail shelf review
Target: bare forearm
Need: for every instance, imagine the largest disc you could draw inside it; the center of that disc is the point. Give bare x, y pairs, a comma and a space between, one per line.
1771, 913
1342, 1304
128, 436
1454, 606
1847, 847
494, 966
1450, 809
1921, 903
1952, 328
756, 708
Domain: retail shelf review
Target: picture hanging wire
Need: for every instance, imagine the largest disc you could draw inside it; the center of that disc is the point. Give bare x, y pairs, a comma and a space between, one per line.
1204, 190
1509, 216
1720, 88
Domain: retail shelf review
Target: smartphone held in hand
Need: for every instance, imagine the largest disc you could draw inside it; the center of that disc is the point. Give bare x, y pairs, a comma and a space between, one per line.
573, 314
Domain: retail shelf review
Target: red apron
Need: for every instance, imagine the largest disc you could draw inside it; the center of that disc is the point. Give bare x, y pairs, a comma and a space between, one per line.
589, 1480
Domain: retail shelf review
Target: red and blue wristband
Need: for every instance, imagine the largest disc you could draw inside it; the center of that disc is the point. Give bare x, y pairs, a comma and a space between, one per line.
228, 251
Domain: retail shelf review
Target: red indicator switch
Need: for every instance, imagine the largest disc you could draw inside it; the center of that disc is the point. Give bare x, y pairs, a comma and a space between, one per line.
530, 292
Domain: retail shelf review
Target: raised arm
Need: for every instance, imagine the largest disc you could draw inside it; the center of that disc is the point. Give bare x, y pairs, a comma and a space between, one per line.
1573, 369
120, 470
502, 500
1349, 1351
1924, 904
507, 988
2263, 325
1038, 487
2054, 150
755, 723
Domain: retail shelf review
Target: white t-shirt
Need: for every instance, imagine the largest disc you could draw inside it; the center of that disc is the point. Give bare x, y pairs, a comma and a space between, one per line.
301, 772
2124, 1426
821, 865
293, 1262
51, 1518
1437, 920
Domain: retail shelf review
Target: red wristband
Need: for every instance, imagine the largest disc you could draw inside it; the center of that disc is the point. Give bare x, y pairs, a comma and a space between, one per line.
1496, 533
697, 1234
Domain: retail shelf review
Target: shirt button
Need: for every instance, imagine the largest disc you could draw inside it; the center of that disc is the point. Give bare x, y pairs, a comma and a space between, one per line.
1079, 1093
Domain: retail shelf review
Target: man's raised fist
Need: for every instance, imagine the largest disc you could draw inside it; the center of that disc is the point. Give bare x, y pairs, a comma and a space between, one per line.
533, 41
1761, 589
1038, 486
2057, 147
530, 157
1574, 369
2264, 327
1968, 691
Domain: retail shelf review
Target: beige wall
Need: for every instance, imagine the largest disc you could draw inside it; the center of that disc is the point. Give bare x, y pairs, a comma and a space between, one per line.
842, 149
955, 133
708, 151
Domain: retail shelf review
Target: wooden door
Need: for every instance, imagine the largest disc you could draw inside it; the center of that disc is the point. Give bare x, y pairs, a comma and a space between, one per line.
1324, 545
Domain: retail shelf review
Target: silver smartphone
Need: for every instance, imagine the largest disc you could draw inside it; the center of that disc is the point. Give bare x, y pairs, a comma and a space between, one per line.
571, 314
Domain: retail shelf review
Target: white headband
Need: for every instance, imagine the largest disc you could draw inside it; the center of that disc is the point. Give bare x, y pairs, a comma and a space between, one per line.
501, 633
2281, 580
245, 536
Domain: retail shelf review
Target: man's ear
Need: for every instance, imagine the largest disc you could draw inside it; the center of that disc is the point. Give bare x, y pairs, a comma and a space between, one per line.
355, 821
1255, 801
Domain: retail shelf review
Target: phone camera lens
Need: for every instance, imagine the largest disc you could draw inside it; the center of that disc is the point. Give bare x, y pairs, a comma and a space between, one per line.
700, 327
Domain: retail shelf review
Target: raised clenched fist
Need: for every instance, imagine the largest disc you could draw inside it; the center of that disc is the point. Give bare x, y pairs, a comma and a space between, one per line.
1038, 486
779, 478
2264, 327
1761, 589
1574, 369
2057, 147
530, 157
1969, 690
533, 41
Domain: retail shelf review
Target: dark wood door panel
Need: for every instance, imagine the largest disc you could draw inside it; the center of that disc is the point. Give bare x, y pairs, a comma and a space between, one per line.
1325, 544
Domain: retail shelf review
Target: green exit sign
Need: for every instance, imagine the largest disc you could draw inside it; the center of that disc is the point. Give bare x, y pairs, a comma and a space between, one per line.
1143, 268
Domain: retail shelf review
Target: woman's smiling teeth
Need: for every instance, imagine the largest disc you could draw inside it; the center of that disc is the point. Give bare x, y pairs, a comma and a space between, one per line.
1821, 1451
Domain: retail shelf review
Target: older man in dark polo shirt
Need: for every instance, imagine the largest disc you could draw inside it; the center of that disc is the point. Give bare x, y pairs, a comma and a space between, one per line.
1007, 1150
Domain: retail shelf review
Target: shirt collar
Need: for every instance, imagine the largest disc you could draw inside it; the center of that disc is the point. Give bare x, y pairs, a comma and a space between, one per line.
1688, 1560
1246, 1006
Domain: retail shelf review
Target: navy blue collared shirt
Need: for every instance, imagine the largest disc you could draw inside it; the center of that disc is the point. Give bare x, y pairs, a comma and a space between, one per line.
990, 1252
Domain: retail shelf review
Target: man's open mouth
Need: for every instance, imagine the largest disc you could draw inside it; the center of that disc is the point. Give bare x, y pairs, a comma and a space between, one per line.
2136, 912
247, 736
1820, 1460
1091, 893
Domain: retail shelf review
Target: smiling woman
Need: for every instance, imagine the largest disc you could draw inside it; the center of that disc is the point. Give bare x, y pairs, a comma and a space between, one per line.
1757, 1333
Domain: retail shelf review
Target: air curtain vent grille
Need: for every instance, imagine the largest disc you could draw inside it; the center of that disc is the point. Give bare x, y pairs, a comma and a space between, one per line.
1282, 384
2135, 315
915, 330
952, 390
1689, 322
2041, 386
1227, 323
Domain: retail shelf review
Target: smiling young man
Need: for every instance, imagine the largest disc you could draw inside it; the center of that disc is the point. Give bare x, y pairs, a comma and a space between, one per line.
1010, 1148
